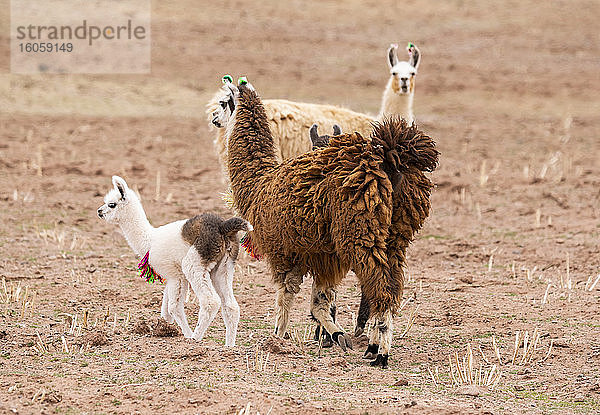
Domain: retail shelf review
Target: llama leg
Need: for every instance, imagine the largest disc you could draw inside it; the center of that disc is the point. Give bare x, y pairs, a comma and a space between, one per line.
381, 279
363, 315
289, 286
373, 346
198, 275
176, 297
321, 334
321, 303
384, 333
164, 308
222, 279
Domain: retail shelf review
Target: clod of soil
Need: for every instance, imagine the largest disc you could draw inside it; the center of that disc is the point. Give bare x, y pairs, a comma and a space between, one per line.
95, 338
157, 328
401, 382
360, 342
277, 345
467, 279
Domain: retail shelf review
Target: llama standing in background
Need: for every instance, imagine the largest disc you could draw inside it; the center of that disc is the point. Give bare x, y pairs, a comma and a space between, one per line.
200, 251
290, 121
355, 204
400, 90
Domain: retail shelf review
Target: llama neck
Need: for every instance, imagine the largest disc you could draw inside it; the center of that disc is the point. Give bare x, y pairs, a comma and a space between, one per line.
397, 104
251, 149
137, 229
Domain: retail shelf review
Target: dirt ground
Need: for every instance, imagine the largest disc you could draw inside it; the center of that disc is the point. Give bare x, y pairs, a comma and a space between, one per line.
508, 89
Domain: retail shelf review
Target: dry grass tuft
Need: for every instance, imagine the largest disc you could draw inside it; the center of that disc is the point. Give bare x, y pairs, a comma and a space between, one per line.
18, 300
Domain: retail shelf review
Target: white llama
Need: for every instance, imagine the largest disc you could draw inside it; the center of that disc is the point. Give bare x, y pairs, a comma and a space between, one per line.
200, 251
400, 89
290, 121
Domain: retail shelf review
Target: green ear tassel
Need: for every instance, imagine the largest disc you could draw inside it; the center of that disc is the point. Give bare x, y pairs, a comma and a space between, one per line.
410, 45
227, 79
242, 80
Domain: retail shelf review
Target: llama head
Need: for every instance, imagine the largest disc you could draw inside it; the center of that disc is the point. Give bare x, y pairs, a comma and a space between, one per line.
226, 100
322, 140
116, 201
403, 73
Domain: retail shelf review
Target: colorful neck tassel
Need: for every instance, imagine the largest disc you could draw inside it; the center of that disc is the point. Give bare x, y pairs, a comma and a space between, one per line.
147, 272
250, 249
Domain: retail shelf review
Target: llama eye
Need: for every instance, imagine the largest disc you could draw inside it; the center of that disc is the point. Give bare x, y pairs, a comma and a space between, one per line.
413, 74
223, 104
112, 205
394, 73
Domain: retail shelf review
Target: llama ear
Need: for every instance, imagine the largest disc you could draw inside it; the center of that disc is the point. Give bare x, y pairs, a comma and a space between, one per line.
314, 135
393, 55
231, 89
337, 130
120, 185
414, 55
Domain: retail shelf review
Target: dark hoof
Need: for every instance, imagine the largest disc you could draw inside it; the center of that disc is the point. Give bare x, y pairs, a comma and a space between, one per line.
325, 339
381, 360
371, 352
342, 339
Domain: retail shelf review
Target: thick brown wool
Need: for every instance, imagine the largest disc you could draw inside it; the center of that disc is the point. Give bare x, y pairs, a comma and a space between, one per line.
355, 204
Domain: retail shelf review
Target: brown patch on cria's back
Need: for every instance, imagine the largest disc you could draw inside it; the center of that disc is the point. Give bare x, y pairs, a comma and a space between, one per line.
211, 235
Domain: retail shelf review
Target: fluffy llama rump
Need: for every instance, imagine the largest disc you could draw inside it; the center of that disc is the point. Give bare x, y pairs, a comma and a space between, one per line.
290, 121
355, 204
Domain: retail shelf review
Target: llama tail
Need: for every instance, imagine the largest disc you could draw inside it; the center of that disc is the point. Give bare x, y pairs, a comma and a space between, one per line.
233, 225
403, 147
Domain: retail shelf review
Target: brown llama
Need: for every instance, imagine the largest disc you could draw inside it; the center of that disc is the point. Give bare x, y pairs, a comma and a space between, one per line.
355, 204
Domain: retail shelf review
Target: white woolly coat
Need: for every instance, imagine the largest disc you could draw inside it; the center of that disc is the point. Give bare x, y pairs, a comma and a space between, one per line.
290, 123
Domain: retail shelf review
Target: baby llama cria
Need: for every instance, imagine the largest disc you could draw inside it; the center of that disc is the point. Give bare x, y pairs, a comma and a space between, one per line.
290, 121
200, 251
355, 204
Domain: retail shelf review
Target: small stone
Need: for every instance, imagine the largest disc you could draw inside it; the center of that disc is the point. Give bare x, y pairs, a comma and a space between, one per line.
470, 390
579, 398
453, 286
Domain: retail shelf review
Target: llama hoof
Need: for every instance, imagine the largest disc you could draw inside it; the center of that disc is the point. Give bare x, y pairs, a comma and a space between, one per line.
371, 352
342, 339
381, 360
325, 339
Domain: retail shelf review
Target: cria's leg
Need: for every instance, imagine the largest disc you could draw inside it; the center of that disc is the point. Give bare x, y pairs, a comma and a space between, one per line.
198, 274
176, 297
322, 299
164, 308
222, 278
289, 287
